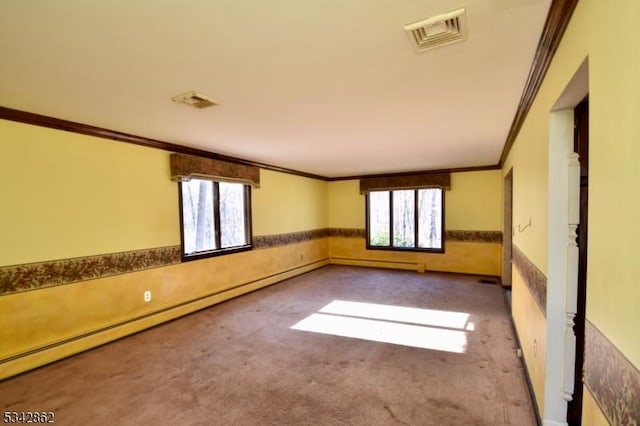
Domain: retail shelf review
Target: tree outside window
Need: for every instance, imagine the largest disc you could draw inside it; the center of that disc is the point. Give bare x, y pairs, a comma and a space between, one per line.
215, 217
405, 219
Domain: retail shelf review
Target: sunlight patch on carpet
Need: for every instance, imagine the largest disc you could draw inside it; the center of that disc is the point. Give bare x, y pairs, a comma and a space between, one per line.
399, 325
446, 319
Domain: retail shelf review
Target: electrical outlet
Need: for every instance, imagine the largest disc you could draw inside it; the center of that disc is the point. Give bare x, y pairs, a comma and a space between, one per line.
147, 296
301, 256
535, 347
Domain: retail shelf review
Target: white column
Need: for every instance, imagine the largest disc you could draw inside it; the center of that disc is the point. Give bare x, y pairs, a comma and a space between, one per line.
571, 297
560, 307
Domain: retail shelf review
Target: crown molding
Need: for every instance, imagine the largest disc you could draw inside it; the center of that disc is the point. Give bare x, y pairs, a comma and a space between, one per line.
558, 18
85, 129
418, 172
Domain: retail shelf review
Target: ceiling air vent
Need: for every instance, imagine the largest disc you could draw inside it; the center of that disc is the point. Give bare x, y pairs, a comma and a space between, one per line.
195, 99
438, 30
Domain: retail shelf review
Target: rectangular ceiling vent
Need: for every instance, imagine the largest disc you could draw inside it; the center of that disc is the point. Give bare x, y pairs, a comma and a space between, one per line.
195, 99
438, 30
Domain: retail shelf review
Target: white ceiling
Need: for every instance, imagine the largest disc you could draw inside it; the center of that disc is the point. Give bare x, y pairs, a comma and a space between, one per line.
331, 87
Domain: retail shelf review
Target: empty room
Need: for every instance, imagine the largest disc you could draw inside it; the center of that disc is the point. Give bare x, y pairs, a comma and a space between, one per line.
294, 213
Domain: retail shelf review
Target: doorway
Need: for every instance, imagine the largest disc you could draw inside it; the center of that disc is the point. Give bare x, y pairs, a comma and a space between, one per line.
581, 147
507, 229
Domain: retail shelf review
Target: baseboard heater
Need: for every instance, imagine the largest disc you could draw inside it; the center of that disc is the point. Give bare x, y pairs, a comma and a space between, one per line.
392, 264
43, 355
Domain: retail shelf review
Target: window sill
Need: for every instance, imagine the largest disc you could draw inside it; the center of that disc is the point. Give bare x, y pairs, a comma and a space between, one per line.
215, 253
406, 249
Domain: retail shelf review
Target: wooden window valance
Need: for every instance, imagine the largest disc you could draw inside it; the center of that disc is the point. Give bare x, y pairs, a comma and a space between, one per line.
427, 180
185, 167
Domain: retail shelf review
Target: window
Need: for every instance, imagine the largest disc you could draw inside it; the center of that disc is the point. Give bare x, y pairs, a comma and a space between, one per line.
408, 219
215, 218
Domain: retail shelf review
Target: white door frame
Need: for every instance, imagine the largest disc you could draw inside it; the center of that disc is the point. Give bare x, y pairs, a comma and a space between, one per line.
562, 251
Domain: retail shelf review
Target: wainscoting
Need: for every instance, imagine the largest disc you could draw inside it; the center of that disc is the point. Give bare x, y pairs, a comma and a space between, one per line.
58, 308
469, 252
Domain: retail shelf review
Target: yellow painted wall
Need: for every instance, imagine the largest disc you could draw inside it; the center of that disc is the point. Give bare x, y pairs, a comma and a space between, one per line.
474, 201
532, 333
591, 413
67, 195
288, 203
346, 206
608, 37
34, 319
614, 172
528, 158
461, 257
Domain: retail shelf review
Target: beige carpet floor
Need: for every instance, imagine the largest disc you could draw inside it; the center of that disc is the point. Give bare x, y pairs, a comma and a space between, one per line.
451, 361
